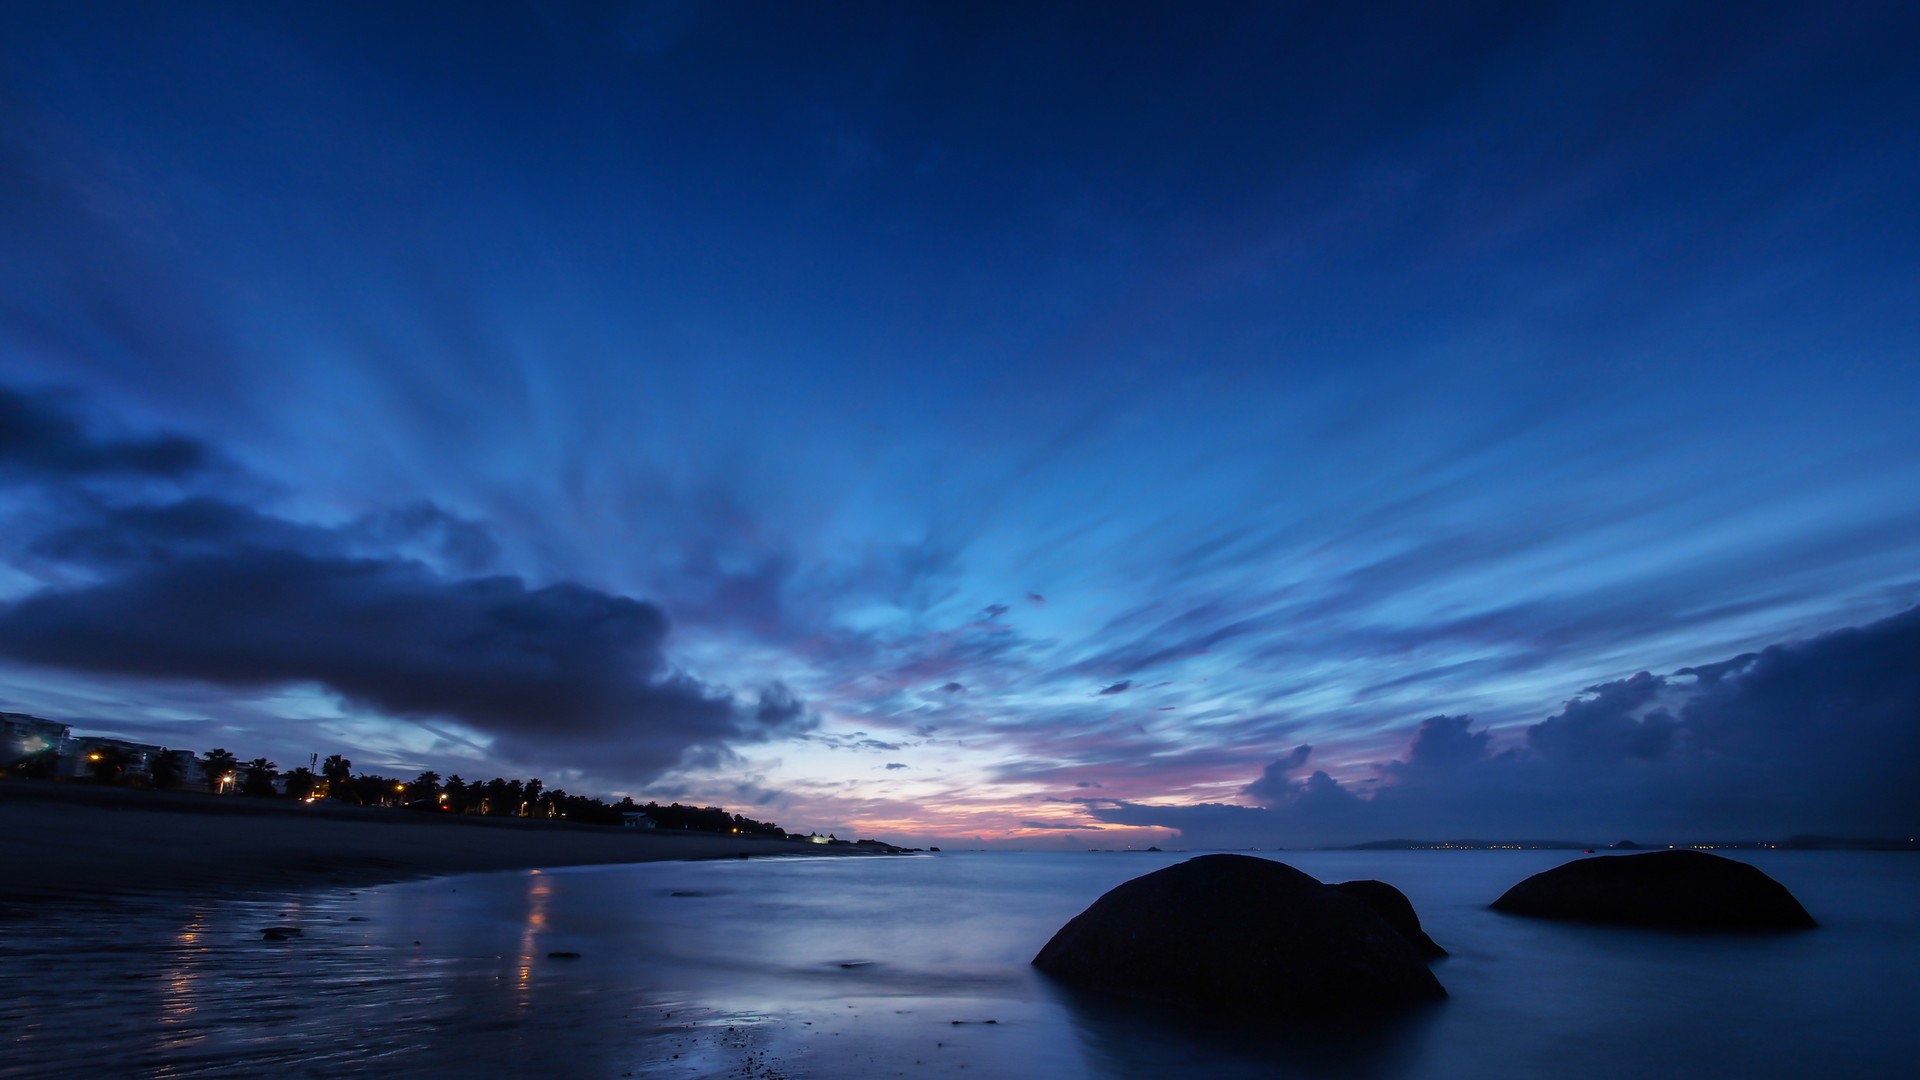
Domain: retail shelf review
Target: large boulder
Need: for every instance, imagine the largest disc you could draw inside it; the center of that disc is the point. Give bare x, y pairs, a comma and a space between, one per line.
1240, 932
1688, 890
1392, 905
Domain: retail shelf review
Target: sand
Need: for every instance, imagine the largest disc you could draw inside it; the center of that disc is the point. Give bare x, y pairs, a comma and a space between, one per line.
74, 841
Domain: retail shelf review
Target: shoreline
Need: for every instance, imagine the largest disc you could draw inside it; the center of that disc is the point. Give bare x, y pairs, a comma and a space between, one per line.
78, 842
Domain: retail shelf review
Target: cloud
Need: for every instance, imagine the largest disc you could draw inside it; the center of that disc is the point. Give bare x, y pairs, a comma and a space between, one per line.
779, 707
893, 765
953, 688
1273, 787
1814, 736
1036, 599
205, 590
550, 672
42, 436
1120, 687
1444, 742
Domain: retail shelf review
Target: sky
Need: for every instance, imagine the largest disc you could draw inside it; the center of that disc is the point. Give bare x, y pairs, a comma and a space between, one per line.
1066, 425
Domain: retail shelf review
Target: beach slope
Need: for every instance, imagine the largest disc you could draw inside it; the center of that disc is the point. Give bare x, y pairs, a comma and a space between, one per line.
79, 840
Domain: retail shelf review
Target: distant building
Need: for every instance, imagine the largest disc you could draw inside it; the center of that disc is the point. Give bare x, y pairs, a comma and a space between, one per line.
23, 736
82, 752
636, 819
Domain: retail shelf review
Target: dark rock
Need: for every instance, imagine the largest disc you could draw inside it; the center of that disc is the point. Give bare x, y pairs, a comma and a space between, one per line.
1686, 890
563, 956
1392, 905
1240, 932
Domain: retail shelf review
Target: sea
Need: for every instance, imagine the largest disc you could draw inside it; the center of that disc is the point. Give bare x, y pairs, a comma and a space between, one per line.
918, 966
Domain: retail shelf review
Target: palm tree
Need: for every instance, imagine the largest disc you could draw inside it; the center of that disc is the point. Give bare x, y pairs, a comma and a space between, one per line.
260, 774
456, 789
217, 765
424, 786
163, 769
300, 783
338, 770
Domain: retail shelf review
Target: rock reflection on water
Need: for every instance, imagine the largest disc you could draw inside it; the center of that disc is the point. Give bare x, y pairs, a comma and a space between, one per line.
1132, 1040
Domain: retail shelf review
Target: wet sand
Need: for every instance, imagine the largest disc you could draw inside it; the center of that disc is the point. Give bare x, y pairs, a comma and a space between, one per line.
78, 840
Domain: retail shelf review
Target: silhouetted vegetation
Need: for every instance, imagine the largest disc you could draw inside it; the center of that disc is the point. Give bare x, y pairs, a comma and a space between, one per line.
216, 765
164, 770
39, 765
259, 777
708, 819
299, 783
222, 772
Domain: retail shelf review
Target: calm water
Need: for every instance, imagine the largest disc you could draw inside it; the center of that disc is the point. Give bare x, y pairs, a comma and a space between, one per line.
893, 967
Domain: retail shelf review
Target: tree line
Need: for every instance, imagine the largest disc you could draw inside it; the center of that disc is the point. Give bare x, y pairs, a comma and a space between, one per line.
498, 797
221, 771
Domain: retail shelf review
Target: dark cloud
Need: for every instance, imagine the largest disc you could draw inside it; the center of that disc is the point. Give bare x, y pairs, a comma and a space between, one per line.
1618, 720
1036, 599
212, 591
1120, 687
41, 437
779, 708
551, 672
1274, 788
1053, 825
1821, 736
123, 538
1444, 742
893, 765
461, 544
953, 688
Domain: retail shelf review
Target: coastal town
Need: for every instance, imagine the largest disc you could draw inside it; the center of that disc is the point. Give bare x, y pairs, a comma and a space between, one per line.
34, 748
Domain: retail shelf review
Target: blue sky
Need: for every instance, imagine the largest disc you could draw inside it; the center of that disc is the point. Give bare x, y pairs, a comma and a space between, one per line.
966, 421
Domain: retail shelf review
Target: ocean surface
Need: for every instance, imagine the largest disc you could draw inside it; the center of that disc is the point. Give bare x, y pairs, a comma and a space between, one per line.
918, 966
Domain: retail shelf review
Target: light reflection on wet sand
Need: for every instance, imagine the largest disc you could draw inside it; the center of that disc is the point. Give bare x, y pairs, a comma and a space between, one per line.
425, 980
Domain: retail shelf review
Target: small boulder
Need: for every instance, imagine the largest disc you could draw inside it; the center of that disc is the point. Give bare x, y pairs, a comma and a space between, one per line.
1679, 889
1392, 905
1240, 932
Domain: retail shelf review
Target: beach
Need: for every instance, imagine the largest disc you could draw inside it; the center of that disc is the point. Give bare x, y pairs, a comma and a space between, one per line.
826, 968
81, 840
